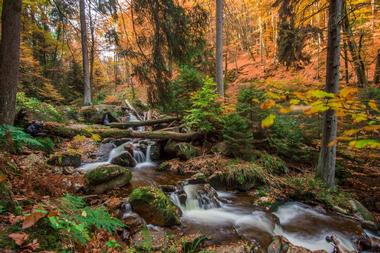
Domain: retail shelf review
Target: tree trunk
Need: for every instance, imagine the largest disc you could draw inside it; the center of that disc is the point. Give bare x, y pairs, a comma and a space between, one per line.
86, 67
9, 59
354, 50
219, 47
377, 69
64, 131
327, 158
143, 123
92, 49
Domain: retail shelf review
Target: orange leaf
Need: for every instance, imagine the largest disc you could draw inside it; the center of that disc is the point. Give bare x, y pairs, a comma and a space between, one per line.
19, 238
2, 178
32, 219
268, 104
332, 143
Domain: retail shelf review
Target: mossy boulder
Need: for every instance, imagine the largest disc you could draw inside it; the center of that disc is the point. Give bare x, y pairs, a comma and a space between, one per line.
181, 150
125, 159
239, 176
106, 178
95, 114
154, 206
65, 159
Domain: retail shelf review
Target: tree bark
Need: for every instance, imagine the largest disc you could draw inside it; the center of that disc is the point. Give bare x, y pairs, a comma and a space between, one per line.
327, 158
219, 47
358, 62
9, 59
143, 123
61, 130
86, 67
377, 69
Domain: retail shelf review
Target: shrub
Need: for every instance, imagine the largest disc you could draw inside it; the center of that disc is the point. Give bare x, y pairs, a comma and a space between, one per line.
187, 81
14, 139
204, 115
248, 104
40, 110
237, 134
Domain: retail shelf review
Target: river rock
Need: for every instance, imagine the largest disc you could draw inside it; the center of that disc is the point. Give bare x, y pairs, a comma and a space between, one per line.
155, 152
207, 197
125, 159
181, 150
154, 206
281, 245
65, 159
150, 240
106, 178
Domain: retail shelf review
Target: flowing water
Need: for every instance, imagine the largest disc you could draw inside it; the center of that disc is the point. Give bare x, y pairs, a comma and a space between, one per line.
227, 216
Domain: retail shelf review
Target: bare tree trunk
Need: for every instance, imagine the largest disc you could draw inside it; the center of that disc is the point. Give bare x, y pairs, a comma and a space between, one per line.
345, 52
327, 158
355, 52
86, 67
92, 49
377, 69
219, 47
9, 59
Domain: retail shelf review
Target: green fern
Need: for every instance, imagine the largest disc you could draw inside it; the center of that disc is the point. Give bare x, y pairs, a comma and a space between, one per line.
20, 139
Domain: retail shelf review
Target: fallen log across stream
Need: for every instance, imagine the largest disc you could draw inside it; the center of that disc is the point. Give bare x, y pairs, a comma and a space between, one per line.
143, 123
70, 131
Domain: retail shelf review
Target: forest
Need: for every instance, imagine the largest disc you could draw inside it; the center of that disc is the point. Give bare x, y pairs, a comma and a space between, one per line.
190, 126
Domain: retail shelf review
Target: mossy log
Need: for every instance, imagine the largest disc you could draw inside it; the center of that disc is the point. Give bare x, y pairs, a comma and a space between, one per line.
70, 131
143, 123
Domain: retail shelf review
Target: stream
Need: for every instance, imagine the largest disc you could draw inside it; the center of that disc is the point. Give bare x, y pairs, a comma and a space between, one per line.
228, 216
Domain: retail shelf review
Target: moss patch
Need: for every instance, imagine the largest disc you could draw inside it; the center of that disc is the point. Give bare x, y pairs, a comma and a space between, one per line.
154, 206
273, 164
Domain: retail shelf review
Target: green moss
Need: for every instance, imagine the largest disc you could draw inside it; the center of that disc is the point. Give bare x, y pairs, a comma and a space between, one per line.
272, 164
165, 166
106, 173
154, 199
307, 187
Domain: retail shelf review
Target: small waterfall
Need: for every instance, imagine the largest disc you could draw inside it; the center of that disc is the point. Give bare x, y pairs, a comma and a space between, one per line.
139, 156
133, 118
198, 197
148, 152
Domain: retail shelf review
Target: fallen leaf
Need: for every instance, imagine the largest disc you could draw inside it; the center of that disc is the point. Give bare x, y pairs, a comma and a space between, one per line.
32, 219
2, 178
19, 238
14, 219
33, 245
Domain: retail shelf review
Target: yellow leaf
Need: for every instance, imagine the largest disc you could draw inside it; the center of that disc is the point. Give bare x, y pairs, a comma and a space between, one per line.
351, 132
348, 93
295, 101
273, 95
373, 105
96, 137
299, 95
268, 104
268, 121
359, 117
332, 143
319, 94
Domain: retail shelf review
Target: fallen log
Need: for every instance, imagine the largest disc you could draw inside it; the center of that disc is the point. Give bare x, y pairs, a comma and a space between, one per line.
142, 123
70, 131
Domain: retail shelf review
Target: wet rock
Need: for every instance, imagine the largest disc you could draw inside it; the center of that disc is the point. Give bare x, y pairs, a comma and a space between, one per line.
181, 150
182, 196
155, 152
65, 159
174, 166
106, 178
154, 206
281, 245
125, 159
217, 180
105, 150
168, 188
362, 213
207, 197
198, 178
150, 240
133, 221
